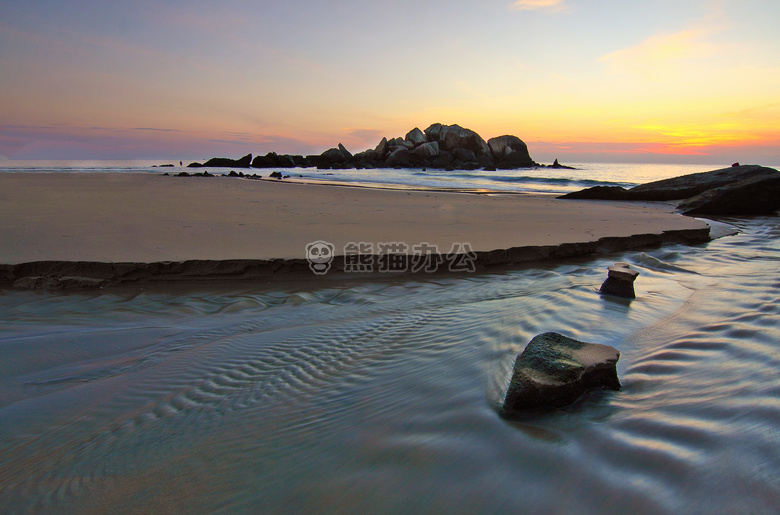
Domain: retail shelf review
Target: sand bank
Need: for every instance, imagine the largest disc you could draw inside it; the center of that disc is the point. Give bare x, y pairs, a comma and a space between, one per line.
120, 227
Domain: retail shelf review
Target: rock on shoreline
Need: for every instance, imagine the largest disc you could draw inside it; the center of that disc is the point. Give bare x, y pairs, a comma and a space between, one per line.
737, 190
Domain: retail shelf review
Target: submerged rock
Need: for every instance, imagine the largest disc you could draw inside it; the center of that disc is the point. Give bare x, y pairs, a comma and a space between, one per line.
554, 371
620, 281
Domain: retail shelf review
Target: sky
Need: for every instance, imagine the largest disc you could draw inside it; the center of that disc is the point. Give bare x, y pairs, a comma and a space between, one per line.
578, 80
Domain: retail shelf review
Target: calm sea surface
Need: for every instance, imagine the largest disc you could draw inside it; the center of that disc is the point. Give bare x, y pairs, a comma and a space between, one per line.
538, 180
379, 396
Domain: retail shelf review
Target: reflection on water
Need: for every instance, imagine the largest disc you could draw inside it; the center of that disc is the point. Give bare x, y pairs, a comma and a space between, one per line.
380, 396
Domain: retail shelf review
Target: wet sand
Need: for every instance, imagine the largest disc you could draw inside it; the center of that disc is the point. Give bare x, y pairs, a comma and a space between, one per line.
48, 222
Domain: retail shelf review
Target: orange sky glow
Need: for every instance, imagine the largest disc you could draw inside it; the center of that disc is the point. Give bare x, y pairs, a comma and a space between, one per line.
689, 81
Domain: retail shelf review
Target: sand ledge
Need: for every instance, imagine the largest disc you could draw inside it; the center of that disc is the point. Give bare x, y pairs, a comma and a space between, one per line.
71, 275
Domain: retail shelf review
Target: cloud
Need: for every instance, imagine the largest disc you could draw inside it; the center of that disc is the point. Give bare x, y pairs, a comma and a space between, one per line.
533, 5
654, 56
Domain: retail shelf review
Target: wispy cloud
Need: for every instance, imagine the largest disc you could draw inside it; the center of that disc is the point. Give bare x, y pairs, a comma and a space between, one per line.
534, 5
654, 56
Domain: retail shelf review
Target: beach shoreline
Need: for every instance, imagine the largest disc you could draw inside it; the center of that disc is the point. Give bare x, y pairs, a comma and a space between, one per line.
91, 229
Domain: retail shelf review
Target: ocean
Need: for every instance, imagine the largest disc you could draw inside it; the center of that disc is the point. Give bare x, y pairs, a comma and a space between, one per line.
380, 395
531, 180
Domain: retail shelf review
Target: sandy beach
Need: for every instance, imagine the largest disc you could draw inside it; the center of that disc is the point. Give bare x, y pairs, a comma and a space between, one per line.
153, 218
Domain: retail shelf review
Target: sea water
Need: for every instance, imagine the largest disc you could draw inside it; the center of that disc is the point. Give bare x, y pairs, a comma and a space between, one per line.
381, 395
526, 180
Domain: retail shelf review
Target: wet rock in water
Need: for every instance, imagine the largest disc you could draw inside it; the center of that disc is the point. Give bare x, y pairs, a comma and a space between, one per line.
275, 175
620, 281
554, 371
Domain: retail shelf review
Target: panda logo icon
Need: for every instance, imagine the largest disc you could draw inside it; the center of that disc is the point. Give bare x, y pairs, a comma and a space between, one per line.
320, 256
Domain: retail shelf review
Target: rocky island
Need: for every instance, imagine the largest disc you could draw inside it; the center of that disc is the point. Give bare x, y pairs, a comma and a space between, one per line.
446, 147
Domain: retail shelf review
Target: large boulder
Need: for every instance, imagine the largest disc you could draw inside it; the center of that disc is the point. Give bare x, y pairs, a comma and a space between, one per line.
401, 156
399, 142
426, 151
451, 137
381, 149
554, 371
415, 137
464, 154
685, 186
270, 160
758, 195
510, 152
500, 144
224, 162
335, 155
693, 184
345, 152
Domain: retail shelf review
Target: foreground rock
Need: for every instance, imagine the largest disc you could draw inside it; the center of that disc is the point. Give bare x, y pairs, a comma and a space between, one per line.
554, 371
620, 281
737, 190
759, 195
686, 186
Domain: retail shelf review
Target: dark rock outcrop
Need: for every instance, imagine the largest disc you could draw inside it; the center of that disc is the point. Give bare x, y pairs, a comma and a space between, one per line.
381, 149
686, 186
224, 162
759, 195
737, 190
556, 164
426, 151
600, 193
510, 152
620, 281
554, 371
439, 146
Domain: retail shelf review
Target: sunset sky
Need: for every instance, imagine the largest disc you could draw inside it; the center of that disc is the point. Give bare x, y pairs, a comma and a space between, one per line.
578, 80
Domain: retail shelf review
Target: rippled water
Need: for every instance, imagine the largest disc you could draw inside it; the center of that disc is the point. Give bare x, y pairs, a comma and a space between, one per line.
380, 396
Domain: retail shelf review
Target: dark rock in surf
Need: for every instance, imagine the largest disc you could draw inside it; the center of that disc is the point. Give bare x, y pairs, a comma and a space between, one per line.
620, 281
554, 371
556, 164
